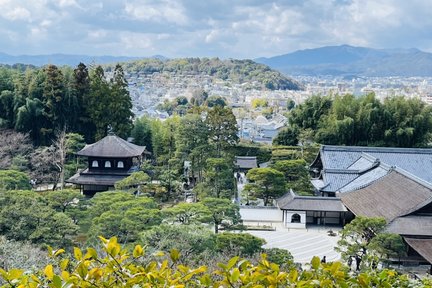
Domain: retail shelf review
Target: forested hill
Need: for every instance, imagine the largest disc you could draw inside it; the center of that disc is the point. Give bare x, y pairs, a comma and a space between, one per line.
237, 71
349, 60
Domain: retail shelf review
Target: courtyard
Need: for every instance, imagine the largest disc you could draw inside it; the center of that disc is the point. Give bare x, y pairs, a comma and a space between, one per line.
303, 244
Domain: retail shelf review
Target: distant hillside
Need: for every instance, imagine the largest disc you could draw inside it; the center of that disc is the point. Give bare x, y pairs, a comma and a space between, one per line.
349, 60
64, 59
237, 71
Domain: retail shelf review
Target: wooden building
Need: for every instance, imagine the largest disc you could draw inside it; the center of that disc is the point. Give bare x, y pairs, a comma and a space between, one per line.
393, 183
298, 211
245, 163
109, 160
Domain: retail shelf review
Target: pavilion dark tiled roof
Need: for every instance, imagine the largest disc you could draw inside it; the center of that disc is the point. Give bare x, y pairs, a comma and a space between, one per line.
112, 147
394, 195
422, 246
96, 179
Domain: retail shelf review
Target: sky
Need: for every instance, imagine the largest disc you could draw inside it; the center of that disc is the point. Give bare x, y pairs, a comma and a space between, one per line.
212, 28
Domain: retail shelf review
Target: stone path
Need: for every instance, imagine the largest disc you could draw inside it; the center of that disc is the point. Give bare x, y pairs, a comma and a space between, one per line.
302, 244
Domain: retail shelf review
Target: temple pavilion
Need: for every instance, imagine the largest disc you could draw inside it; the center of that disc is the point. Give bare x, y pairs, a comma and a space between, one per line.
109, 160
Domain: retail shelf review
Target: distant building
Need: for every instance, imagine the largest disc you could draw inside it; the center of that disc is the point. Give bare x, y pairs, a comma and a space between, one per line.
109, 160
245, 163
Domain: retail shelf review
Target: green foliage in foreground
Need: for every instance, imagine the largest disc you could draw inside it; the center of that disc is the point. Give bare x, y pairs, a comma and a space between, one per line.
118, 267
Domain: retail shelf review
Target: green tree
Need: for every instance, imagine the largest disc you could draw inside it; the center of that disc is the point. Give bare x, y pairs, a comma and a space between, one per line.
296, 174
288, 136
98, 102
40, 224
7, 115
122, 215
81, 89
387, 245
246, 244
308, 114
223, 212
14, 180
219, 178
134, 181
266, 183
142, 133
409, 122
192, 241
120, 106
55, 109
30, 118
222, 127
214, 100
282, 257
187, 213
63, 200
356, 237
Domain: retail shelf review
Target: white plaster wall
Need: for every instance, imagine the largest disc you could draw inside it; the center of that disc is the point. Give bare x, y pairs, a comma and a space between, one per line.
288, 216
264, 214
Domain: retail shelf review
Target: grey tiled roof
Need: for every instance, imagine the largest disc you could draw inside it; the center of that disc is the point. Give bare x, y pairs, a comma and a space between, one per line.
246, 162
413, 160
290, 201
412, 225
336, 179
112, 147
365, 179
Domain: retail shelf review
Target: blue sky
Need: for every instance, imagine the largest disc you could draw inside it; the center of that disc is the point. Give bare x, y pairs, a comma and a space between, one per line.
196, 28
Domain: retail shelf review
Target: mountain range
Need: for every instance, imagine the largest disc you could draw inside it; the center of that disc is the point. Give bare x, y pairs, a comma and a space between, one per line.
65, 59
341, 60
347, 60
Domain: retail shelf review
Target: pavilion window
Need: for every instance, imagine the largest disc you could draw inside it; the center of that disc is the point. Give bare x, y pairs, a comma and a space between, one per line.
120, 164
107, 164
95, 163
296, 218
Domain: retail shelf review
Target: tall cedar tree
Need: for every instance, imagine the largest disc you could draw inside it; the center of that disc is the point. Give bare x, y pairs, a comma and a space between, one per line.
222, 127
120, 104
81, 88
55, 109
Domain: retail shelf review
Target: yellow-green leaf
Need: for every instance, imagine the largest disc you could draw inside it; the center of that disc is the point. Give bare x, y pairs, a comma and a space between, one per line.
91, 253
138, 251
14, 274
293, 276
174, 255
315, 262
77, 253
232, 262
49, 271
57, 282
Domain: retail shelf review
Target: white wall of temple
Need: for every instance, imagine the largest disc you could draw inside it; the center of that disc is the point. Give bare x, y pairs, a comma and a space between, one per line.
295, 219
260, 214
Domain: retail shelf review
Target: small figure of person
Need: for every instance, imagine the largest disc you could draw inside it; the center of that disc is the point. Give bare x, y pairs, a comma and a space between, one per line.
323, 260
350, 260
358, 262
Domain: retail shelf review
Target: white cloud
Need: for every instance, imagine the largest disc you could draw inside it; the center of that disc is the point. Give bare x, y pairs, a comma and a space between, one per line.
17, 13
209, 28
170, 11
